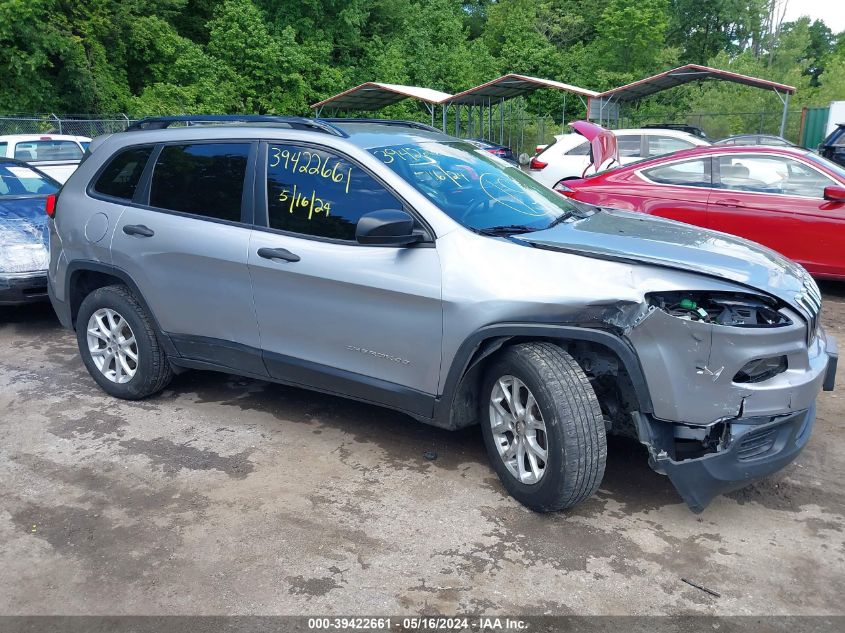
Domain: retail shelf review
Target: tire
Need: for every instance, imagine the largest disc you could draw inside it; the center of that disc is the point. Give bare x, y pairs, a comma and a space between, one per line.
574, 434
122, 314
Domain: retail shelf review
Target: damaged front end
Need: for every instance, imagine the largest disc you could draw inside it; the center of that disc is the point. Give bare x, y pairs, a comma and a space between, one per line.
733, 379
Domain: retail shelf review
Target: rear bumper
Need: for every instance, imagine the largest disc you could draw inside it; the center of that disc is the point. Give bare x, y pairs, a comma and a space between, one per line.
20, 288
62, 308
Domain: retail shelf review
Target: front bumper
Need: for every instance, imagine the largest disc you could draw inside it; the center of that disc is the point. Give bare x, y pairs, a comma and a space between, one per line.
756, 447
690, 366
773, 425
20, 288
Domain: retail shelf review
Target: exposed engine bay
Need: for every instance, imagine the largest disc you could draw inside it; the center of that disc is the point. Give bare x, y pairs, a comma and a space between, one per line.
733, 309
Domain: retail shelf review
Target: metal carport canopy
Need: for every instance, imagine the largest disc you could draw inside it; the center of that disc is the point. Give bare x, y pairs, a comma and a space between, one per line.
686, 74
510, 86
373, 96
500, 90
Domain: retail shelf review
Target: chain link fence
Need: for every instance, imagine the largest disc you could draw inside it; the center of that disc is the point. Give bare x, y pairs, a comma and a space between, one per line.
521, 131
721, 124
524, 132
76, 125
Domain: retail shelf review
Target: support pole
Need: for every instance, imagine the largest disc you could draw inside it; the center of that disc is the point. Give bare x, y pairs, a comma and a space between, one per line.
510, 123
783, 117
444, 107
489, 119
563, 113
502, 121
457, 120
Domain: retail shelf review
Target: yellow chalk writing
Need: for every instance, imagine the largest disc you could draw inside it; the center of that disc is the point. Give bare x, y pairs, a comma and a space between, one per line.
302, 201
312, 164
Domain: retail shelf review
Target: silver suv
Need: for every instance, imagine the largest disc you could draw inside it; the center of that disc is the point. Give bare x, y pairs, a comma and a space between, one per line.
387, 262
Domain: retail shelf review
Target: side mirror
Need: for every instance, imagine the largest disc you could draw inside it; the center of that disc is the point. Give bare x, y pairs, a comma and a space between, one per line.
834, 193
387, 227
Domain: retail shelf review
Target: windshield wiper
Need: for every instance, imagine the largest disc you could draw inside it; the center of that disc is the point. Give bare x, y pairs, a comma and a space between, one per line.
506, 229
579, 210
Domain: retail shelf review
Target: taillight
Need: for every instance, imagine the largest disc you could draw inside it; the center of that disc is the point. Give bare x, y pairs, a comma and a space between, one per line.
537, 164
50, 205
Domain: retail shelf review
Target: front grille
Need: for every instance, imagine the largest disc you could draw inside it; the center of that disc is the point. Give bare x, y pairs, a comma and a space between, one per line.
756, 444
811, 302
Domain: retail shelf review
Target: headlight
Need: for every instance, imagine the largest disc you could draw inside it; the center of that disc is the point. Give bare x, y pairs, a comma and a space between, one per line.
720, 308
562, 188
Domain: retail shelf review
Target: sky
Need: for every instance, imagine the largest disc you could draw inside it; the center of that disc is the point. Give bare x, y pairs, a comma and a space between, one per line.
831, 12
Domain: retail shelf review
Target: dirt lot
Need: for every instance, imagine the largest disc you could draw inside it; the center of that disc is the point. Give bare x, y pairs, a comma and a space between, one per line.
226, 495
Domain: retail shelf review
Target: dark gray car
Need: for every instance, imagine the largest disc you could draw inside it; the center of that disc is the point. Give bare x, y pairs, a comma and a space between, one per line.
403, 267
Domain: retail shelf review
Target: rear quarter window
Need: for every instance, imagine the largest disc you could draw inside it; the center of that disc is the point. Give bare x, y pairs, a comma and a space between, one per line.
120, 177
582, 149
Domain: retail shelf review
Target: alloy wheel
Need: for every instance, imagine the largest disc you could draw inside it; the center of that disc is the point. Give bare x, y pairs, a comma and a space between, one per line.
519, 431
112, 345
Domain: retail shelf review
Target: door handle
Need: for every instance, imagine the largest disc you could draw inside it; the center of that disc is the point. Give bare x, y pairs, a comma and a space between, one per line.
138, 229
728, 202
278, 253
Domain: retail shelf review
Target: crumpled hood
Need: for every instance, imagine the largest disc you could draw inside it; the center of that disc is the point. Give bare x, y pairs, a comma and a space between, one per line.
639, 238
24, 236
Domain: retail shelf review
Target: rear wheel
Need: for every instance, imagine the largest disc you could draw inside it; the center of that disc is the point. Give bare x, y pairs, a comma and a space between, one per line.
543, 427
118, 344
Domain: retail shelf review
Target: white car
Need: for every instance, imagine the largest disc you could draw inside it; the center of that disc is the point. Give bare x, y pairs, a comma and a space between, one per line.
57, 155
569, 155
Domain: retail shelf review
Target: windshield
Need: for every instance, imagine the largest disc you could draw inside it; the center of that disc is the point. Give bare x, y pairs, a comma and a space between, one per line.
20, 180
829, 164
475, 188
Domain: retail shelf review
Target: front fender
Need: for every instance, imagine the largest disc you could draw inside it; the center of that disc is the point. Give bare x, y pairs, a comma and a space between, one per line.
488, 339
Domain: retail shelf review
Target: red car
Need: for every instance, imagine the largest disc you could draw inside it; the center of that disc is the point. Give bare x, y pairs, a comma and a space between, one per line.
786, 198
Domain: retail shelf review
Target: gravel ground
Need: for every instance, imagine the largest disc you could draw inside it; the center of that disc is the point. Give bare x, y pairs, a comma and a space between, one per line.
232, 496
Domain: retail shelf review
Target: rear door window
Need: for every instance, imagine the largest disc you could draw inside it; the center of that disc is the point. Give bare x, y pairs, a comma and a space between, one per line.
48, 150
630, 145
317, 193
205, 179
4, 146
120, 177
691, 173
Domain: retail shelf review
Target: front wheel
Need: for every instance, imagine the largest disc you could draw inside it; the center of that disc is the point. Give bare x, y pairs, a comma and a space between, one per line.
543, 426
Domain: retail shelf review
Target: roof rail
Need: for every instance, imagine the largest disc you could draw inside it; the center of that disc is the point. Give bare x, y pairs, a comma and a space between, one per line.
412, 124
295, 122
